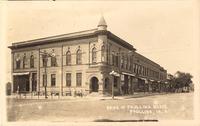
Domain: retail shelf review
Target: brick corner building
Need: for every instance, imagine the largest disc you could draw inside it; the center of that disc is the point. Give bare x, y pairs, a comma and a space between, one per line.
81, 62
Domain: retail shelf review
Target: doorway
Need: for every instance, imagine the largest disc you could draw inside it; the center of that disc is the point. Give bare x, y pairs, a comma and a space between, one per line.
94, 84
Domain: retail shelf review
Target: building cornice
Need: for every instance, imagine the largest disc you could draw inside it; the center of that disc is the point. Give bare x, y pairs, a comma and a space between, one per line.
54, 39
72, 36
120, 41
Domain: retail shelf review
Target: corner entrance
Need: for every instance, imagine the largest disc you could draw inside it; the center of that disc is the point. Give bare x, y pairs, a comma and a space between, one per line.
94, 84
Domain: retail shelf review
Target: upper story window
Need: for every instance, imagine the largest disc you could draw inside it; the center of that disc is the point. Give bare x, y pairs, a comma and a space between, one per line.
150, 73
108, 54
128, 62
117, 60
140, 69
134, 67
94, 55
144, 71
125, 62
32, 61
147, 74
131, 63
24, 60
68, 58
103, 53
137, 69
18, 62
44, 59
113, 58
122, 61
53, 59
78, 56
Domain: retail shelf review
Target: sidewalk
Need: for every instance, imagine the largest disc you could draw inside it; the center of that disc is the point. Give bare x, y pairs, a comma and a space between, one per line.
135, 95
88, 97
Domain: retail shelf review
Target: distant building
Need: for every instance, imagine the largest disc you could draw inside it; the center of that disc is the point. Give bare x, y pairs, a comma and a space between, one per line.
82, 62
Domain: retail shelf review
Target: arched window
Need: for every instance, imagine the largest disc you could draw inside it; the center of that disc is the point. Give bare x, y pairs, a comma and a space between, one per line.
94, 55
24, 61
113, 58
122, 60
134, 68
32, 61
117, 60
131, 63
125, 62
53, 61
78, 56
18, 62
103, 53
44, 58
68, 58
44, 61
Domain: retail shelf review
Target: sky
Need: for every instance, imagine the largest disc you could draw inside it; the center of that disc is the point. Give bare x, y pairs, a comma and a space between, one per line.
163, 31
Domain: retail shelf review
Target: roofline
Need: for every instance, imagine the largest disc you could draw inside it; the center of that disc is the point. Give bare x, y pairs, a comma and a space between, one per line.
64, 37
52, 39
151, 61
120, 41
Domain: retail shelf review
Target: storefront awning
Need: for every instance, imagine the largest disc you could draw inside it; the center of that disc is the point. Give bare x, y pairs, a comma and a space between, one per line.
146, 81
128, 74
151, 80
22, 73
114, 73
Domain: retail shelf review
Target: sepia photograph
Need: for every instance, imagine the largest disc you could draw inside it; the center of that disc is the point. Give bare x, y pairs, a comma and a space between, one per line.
100, 62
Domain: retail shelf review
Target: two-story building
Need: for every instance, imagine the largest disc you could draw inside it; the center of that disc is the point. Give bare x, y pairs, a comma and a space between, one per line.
81, 61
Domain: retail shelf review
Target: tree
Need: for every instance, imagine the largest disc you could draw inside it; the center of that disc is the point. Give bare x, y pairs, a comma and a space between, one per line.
183, 80
172, 84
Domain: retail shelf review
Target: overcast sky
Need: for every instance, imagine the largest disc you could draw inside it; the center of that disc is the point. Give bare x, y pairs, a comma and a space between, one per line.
163, 31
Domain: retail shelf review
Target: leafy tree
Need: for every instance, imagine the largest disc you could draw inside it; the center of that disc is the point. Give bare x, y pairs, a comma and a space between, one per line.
172, 84
183, 79
179, 81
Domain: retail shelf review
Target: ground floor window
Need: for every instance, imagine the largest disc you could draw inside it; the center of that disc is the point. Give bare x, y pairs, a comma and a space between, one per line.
78, 79
53, 80
68, 79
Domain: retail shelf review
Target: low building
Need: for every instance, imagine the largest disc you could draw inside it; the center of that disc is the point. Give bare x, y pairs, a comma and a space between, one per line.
82, 62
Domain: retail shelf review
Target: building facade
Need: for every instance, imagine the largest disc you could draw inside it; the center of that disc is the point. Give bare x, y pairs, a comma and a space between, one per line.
82, 62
